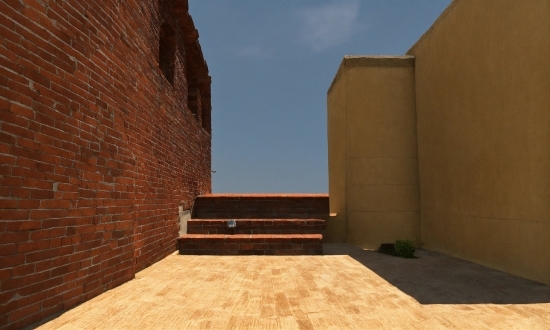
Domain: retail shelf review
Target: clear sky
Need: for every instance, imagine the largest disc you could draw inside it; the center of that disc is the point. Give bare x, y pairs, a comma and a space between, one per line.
272, 63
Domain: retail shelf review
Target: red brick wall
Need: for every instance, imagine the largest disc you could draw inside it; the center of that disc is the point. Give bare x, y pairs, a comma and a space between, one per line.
257, 206
97, 148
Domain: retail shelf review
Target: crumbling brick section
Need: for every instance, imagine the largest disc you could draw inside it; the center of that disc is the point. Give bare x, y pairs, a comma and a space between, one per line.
98, 149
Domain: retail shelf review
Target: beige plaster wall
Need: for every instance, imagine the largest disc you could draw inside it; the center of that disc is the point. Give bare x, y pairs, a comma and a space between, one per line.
373, 175
483, 113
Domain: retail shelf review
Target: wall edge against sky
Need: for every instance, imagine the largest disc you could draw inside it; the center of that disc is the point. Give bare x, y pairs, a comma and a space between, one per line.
433, 26
338, 76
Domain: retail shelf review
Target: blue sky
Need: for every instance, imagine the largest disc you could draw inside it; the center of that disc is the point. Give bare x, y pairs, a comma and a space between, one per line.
272, 63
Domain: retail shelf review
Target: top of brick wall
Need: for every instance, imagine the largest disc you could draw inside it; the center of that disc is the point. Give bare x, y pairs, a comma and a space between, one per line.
253, 206
270, 195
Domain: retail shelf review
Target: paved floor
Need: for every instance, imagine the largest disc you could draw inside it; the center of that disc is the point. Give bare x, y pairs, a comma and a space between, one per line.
348, 288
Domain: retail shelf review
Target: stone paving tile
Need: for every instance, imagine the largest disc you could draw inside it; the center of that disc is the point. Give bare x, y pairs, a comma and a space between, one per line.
347, 288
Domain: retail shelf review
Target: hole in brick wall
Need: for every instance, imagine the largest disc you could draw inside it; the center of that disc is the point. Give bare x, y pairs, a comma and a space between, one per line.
206, 119
194, 101
167, 51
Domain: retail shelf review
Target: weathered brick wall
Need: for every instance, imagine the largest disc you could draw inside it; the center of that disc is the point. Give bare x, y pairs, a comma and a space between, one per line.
257, 206
97, 148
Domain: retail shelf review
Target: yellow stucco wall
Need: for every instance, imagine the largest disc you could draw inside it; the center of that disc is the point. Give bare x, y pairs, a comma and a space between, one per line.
468, 127
483, 113
373, 175
336, 121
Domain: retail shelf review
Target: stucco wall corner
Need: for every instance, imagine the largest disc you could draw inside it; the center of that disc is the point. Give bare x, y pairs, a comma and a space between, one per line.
338, 76
434, 26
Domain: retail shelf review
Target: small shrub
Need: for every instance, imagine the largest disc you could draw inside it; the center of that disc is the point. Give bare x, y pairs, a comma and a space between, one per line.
404, 248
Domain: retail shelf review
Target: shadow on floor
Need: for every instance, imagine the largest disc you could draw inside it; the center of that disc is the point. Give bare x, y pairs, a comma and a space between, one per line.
436, 278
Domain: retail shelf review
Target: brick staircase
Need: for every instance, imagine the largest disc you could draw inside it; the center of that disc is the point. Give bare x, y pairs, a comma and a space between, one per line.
271, 224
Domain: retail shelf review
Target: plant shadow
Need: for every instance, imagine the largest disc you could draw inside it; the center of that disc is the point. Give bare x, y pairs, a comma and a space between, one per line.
436, 278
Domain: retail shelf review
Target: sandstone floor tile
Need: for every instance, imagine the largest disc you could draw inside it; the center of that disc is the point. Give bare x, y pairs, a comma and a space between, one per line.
347, 288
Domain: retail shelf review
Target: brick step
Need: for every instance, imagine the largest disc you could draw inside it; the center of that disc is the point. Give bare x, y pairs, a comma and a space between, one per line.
256, 226
260, 244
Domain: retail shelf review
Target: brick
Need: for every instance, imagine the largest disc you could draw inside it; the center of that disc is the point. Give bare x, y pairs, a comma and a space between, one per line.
26, 162
15, 120
14, 214
7, 138
7, 249
27, 173
10, 262
24, 225
55, 204
23, 270
48, 233
32, 246
23, 312
77, 172
8, 204
14, 237
45, 168
47, 214
53, 301
48, 254
42, 194
28, 204
20, 192
4, 275
22, 111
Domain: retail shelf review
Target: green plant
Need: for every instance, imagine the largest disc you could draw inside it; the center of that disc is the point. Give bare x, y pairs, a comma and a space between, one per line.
404, 248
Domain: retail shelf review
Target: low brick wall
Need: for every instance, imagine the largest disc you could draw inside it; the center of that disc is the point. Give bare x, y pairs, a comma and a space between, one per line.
256, 206
261, 244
